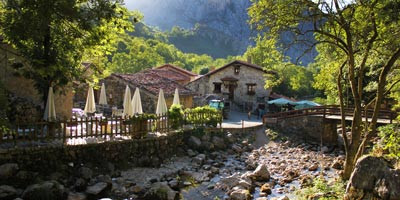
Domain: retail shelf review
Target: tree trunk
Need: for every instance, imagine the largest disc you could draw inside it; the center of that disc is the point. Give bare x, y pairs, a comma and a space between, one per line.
348, 164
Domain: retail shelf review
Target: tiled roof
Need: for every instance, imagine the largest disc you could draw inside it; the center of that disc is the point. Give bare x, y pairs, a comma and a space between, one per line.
150, 81
178, 69
171, 75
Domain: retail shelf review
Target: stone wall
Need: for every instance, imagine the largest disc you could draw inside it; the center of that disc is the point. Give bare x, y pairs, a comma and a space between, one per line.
312, 128
149, 152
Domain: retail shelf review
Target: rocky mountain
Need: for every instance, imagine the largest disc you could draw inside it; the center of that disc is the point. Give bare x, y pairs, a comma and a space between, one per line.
219, 26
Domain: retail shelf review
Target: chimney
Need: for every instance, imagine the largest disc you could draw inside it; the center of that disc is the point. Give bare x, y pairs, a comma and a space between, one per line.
249, 59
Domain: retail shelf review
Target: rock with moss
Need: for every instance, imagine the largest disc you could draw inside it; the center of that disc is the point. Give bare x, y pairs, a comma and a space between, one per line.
372, 176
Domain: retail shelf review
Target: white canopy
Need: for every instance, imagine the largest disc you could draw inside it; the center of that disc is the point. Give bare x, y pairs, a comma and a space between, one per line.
90, 106
103, 97
137, 102
128, 111
50, 110
161, 105
176, 98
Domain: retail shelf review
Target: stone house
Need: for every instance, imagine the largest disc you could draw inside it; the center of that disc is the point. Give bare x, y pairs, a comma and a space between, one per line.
149, 82
239, 82
175, 73
23, 98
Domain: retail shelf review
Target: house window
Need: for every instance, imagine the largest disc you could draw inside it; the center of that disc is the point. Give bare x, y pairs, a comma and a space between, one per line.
217, 87
237, 69
251, 88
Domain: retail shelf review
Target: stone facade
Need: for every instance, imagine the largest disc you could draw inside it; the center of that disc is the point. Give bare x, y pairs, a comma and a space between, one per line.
243, 75
311, 128
22, 92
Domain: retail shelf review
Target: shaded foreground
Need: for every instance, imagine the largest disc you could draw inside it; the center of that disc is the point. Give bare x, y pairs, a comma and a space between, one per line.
206, 167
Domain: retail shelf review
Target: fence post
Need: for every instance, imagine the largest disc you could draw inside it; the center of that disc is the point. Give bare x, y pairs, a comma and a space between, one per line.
64, 133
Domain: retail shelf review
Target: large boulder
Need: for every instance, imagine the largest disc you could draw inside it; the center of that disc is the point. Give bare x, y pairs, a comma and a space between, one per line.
261, 173
161, 191
47, 190
8, 170
372, 176
7, 192
218, 142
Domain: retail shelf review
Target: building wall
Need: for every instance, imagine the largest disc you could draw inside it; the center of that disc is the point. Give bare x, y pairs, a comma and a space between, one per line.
205, 85
29, 100
186, 101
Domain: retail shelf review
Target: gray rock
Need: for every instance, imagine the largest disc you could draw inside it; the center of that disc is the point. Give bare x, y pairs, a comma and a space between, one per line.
325, 149
218, 142
104, 178
261, 173
337, 164
85, 173
76, 196
237, 148
194, 142
313, 167
46, 190
174, 184
373, 175
80, 184
199, 159
240, 194
7, 192
283, 198
229, 182
98, 189
161, 191
8, 170
191, 153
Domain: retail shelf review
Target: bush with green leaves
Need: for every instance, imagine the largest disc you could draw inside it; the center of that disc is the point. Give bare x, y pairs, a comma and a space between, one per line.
389, 141
175, 116
203, 116
322, 190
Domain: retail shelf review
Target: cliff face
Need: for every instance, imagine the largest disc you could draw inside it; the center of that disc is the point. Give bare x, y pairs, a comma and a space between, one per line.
222, 24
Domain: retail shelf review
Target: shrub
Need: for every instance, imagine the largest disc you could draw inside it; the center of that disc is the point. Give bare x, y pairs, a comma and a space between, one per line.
322, 190
203, 116
175, 116
389, 141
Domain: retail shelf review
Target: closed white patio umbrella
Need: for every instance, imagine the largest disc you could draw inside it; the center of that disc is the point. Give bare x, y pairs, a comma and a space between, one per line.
137, 102
50, 110
128, 111
103, 97
161, 104
176, 98
90, 106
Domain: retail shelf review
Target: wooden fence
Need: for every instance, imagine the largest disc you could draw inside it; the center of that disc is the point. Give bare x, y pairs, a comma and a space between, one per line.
101, 127
331, 110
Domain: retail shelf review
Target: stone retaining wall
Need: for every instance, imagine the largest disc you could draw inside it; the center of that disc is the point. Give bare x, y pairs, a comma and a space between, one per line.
311, 128
149, 152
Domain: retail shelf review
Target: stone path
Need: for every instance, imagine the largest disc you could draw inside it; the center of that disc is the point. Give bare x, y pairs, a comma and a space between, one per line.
235, 119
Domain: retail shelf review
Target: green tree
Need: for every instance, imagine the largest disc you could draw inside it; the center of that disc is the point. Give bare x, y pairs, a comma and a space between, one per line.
54, 35
289, 79
357, 37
